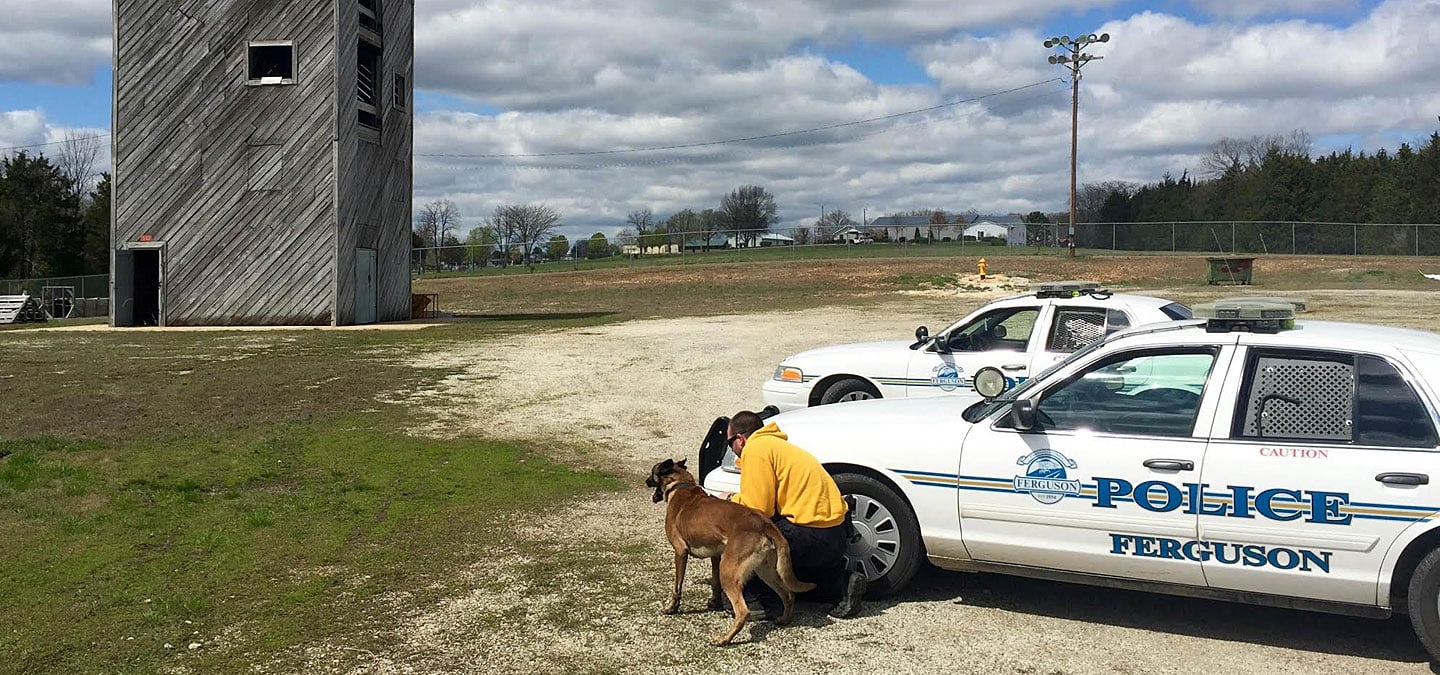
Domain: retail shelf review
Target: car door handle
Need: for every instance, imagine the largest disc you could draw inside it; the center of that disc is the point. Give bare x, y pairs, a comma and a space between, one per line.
1170, 464
1013, 366
1403, 479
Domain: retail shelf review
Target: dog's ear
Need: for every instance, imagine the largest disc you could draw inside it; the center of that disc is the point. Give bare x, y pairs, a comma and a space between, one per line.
665, 467
681, 465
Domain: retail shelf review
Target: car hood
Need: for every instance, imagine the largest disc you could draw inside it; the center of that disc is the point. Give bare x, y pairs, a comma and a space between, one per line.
869, 359
825, 353
877, 418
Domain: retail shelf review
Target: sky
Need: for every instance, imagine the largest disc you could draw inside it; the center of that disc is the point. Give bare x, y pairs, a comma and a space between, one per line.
868, 107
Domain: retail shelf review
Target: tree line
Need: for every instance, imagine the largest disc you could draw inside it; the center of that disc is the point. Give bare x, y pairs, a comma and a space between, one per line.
525, 232
1274, 180
54, 218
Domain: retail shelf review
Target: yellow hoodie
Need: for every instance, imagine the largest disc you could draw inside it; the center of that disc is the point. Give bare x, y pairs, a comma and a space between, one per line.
778, 477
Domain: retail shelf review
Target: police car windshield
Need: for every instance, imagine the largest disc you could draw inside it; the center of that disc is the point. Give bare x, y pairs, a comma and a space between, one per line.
983, 409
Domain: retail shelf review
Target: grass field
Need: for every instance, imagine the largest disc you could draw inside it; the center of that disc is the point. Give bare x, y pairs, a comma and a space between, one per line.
663, 290
242, 491
251, 492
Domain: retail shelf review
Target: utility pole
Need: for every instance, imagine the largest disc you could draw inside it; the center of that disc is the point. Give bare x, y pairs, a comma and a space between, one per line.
1073, 58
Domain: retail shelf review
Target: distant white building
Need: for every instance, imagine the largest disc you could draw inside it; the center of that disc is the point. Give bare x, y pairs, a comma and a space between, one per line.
849, 233
767, 239
986, 228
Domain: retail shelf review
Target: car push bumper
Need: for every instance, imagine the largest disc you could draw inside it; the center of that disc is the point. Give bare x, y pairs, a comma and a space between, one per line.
718, 472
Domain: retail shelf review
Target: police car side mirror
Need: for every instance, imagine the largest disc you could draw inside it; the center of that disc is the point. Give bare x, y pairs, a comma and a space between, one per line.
1022, 411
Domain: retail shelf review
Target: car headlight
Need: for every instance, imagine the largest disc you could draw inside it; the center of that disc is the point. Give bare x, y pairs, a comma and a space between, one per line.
789, 374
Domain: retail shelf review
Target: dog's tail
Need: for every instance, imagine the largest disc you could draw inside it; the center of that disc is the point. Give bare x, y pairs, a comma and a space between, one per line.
782, 562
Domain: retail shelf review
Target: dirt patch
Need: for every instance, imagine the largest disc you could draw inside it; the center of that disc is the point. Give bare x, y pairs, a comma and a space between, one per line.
628, 394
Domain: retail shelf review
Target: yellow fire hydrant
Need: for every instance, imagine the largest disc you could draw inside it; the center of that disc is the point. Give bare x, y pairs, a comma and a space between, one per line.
982, 267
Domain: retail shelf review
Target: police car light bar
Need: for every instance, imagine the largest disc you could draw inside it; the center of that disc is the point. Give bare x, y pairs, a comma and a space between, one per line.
1256, 316
1298, 303
1065, 289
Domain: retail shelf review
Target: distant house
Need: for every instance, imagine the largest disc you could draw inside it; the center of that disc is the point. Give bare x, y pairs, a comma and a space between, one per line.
848, 234
766, 239
1014, 233
906, 228
985, 229
714, 241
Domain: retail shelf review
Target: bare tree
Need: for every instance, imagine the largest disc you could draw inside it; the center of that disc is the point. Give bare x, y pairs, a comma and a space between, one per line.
749, 209
524, 226
436, 224
76, 160
1242, 154
643, 220
1091, 197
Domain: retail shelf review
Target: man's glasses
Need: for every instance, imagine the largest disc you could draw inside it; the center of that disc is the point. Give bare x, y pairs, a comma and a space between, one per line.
730, 442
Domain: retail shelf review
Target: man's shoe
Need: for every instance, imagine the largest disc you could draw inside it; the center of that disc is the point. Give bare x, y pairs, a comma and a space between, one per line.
849, 604
758, 611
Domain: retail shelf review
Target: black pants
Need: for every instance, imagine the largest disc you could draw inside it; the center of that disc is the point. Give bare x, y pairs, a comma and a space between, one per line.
817, 555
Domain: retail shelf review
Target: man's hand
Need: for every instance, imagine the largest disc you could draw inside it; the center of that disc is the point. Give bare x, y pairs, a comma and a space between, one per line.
726, 496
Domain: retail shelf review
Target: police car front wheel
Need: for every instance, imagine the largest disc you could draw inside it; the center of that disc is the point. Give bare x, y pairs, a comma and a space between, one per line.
1423, 599
885, 544
848, 390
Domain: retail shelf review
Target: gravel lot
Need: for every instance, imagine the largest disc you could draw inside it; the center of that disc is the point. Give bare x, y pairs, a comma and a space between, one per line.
630, 394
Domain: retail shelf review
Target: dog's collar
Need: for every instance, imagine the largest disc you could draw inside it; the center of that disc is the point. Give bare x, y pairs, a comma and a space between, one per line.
676, 486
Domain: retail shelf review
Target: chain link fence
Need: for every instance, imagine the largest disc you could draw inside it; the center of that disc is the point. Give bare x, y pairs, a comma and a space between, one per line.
1225, 237
65, 297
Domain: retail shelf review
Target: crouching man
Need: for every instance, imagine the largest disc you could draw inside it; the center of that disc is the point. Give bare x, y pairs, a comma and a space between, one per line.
786, 483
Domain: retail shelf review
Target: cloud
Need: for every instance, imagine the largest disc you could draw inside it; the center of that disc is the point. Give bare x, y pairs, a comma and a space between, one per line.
1255, 8
576, 79
54, 41
30, 132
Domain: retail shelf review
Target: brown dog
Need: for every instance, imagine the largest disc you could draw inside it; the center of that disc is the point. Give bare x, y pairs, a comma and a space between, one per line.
738, 540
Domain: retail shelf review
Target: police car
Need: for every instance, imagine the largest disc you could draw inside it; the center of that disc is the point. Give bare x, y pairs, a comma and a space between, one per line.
1242, 456
1019, 335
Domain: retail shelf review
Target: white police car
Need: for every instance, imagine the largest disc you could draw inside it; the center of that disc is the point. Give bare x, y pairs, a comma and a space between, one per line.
1020, 335
1246, 457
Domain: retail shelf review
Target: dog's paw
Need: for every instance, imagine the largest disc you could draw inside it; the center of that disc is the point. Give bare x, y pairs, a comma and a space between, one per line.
720, 640
670, 608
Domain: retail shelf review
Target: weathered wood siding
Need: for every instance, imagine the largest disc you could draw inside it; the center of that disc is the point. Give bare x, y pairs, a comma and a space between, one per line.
374, 189
237, 181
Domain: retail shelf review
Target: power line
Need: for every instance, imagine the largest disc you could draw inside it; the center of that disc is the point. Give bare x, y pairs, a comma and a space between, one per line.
746, 139
41, 145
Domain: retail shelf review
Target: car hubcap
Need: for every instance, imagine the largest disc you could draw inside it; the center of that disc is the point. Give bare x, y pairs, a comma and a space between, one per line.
857, 396
875, 544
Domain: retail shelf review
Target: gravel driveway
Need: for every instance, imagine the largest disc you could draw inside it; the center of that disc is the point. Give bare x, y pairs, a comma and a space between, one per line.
630, 394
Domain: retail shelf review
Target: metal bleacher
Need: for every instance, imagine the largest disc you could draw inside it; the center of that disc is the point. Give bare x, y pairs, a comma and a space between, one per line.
20, 309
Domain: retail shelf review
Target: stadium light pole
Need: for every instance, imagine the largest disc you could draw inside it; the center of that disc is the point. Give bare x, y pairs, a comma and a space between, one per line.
1073, 57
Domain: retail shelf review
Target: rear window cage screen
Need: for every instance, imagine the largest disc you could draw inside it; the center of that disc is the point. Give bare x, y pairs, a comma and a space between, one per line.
1075, 328
1298, 397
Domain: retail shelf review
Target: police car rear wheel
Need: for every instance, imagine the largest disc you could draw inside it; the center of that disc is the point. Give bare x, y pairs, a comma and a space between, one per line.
1423, 599
885, 546
848, 390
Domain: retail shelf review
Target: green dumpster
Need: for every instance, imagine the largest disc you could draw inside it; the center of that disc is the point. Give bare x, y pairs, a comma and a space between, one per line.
1230, 270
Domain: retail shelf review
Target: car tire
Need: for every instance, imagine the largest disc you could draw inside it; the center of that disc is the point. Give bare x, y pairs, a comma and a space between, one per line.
1423, 599
849, 389
886, 544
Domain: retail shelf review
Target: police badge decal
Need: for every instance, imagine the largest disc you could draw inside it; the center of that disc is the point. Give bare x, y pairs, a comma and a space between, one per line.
947, 376
1047, 477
